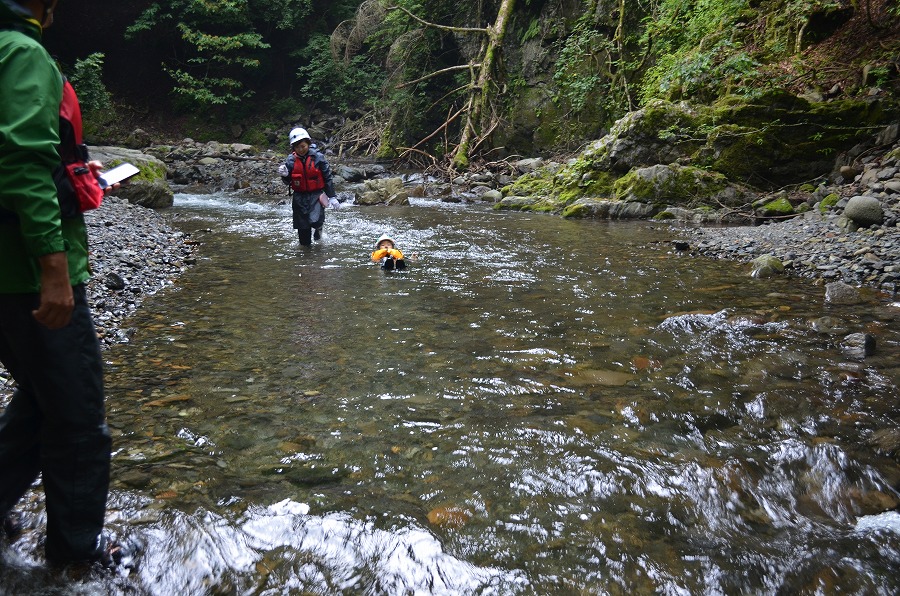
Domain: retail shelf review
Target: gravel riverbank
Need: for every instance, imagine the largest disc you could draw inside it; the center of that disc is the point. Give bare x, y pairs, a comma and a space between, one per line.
824, 242
812, 246
134, 254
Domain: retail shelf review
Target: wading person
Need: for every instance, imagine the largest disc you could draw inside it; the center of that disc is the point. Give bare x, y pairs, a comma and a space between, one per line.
54, 424
310, 179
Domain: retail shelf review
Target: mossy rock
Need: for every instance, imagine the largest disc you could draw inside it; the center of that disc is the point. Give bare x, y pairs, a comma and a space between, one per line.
588, 209
778, 207
828, 202
778, 139
684, 186
552, 187
516, 203
537, 183
149, 188
766, 266
609, 209
689, 155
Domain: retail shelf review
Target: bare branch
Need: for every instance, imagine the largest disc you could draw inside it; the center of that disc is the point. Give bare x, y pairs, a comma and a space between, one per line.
348, 37
439, 72
441, 127
444, 27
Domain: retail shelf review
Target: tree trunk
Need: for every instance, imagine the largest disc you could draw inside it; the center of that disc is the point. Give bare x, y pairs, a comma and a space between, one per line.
478, 116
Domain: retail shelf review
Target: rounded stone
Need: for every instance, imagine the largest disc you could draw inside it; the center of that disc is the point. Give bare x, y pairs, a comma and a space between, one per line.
864, 211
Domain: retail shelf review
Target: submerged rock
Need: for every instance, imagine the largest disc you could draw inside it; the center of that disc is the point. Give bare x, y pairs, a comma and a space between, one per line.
858, 345
766, 266
840, 293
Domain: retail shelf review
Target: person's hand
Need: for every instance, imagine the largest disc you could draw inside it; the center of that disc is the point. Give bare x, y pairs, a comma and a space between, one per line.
283, 171
57, 301
96, 169
333, 203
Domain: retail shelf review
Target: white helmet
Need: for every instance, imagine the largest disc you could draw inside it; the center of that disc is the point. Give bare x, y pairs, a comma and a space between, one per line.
383, 238
298, 134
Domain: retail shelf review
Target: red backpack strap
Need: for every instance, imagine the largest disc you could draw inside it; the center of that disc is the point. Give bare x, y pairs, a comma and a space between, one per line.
70, 110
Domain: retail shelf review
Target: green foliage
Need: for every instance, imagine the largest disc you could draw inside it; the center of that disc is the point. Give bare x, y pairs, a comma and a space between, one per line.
218, 46
881, 75
335, 85
698, 54
534, 27
286, 15
579, 65
216, 53
207, 91
87, 79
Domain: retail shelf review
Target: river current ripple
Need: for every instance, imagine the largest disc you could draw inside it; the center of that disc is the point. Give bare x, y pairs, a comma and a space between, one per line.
536, 406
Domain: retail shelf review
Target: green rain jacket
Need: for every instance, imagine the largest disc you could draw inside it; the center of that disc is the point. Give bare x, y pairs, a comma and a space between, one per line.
30, 223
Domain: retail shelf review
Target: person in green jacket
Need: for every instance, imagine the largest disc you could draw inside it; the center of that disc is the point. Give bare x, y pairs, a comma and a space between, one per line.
54, 424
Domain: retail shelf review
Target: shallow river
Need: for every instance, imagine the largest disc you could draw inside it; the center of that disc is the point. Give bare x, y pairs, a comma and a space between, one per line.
536, 406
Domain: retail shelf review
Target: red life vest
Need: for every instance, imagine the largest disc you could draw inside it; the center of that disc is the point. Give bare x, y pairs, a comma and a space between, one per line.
306, 176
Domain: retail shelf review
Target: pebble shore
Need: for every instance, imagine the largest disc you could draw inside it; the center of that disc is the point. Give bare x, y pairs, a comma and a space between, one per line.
812, 246
134, 254
822, 243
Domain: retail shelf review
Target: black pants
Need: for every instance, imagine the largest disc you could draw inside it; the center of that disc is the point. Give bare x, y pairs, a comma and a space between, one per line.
55, 423
308, 214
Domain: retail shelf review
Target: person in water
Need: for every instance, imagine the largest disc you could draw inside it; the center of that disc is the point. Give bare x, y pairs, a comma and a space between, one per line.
309, 176
388, 255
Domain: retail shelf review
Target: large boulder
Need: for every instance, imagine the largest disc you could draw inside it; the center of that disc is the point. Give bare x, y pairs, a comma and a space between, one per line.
864, 211
149, 188
678, 185
609, 209
384, 191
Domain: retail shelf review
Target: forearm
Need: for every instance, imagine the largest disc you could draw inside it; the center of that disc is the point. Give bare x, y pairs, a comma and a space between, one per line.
57, 301
379, 254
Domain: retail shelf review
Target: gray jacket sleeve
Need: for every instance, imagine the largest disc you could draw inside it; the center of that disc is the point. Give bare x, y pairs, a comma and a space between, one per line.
327, 176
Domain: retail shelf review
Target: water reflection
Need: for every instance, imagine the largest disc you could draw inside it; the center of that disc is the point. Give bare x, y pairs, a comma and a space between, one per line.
536, 406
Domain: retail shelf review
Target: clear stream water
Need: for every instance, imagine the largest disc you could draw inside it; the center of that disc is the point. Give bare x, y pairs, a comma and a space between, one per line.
537, 406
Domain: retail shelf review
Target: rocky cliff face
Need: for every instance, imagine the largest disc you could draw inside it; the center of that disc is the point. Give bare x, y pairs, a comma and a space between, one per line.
736, 156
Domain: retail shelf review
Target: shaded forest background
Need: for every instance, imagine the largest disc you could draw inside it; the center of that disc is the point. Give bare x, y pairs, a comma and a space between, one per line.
434, 79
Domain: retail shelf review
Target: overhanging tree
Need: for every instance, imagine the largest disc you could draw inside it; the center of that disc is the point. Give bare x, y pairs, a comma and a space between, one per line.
474, 115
